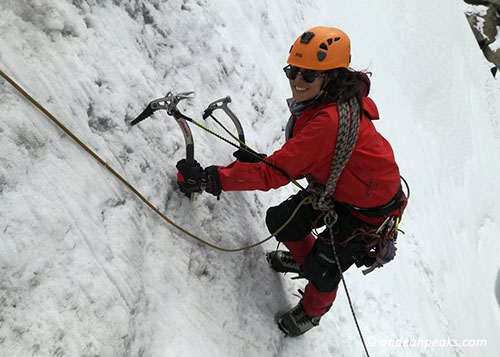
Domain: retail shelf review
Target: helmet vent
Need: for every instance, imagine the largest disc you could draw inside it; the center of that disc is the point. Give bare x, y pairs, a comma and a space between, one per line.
323, 46
337, 39
321, 55
329, 41
306, 37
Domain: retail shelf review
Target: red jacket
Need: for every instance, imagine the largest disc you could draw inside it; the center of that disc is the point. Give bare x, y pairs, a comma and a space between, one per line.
370, 178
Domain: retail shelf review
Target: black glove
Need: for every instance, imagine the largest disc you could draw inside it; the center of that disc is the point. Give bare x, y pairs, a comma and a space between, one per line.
189, 177
192, 178
245, 156
212, 181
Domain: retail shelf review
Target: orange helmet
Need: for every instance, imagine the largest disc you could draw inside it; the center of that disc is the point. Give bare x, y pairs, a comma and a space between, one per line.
321, 48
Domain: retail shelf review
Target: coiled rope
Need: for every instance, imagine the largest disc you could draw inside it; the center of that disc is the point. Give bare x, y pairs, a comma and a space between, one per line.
306, 200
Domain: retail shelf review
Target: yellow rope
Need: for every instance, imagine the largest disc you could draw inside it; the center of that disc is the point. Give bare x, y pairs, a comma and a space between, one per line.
306, 200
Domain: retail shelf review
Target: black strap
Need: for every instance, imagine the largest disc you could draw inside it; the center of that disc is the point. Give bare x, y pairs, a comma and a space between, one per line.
381, 211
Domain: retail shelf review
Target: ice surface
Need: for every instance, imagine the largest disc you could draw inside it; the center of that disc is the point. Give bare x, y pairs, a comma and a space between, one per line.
87, 269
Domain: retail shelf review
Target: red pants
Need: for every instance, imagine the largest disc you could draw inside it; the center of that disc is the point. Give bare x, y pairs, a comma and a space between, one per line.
314, 302
316, 255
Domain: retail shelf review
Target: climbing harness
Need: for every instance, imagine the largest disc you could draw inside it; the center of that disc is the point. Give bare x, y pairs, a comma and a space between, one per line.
380, 242
169, 101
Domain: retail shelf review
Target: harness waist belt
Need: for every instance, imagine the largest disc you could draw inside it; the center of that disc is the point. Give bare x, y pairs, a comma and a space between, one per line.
396, 202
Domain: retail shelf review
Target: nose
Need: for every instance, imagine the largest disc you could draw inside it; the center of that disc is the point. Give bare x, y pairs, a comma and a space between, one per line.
299, 78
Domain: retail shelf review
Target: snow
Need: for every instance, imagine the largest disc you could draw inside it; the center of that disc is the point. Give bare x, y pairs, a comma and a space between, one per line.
495, 45
87, 269
479, 11
475, 9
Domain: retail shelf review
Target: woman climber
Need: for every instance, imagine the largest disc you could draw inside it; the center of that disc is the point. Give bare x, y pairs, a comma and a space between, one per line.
354, 181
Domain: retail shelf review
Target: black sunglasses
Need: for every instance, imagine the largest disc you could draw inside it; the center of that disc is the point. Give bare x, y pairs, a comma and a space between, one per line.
307, 74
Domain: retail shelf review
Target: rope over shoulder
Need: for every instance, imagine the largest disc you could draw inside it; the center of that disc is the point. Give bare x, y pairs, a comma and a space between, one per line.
347, 136
322, 195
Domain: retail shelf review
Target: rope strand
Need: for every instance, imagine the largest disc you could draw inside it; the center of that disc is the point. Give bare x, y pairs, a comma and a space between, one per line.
132, 188
339, 267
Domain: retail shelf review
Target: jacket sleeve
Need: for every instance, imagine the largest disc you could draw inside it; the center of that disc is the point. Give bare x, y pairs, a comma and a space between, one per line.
312, 147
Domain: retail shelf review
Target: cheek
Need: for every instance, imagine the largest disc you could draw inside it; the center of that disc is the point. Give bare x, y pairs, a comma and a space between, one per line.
316, 87
319, 83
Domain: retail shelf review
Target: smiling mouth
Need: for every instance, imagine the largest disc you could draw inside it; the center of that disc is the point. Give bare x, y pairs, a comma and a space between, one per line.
300, 89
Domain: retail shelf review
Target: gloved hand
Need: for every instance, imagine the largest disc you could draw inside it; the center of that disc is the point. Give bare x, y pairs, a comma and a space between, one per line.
244, 156
189, 177
192, 178
212, 181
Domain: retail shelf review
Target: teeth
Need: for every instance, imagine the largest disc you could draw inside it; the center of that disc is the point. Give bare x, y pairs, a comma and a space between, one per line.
300, 89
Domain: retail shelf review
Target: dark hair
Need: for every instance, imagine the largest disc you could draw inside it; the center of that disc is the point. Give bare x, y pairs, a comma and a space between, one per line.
347, 84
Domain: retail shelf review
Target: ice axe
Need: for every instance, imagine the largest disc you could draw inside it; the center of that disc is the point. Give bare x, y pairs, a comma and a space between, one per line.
169, 103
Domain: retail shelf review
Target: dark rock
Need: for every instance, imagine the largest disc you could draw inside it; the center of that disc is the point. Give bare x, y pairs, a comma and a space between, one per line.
489, 31
490, 23
478, 2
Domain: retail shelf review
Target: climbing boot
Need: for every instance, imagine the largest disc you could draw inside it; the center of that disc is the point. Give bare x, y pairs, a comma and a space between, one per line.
296, 322
283, 262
